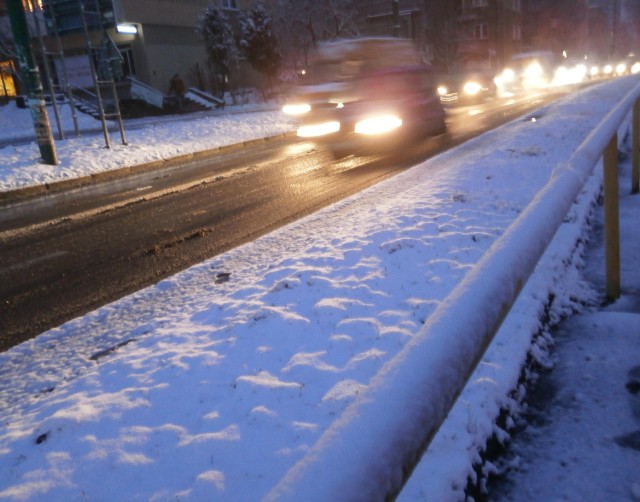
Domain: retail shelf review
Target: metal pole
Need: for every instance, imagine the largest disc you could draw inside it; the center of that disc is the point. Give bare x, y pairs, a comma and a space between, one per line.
47, 71
611, 219
66, 88
94, 74
18, 20
112, 83
635, 157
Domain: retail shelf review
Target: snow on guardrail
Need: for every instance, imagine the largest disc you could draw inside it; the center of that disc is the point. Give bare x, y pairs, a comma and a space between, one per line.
376, 447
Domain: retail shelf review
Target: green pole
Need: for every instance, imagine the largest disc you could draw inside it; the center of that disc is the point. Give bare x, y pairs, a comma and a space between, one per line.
30, 73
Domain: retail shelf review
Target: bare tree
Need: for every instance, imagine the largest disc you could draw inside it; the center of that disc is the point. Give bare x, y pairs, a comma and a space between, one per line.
441, 32
301, 24
337, 19
7, 47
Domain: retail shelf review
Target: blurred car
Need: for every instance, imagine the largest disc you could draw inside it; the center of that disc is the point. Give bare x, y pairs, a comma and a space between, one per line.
367, 93
465, 88
570, 72
396, 106
334, 68
614, 68
527, 71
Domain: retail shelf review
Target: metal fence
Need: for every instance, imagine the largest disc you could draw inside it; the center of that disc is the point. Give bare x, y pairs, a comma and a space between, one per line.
500, 274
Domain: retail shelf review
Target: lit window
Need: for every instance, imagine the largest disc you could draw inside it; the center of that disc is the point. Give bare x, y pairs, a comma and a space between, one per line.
31, 5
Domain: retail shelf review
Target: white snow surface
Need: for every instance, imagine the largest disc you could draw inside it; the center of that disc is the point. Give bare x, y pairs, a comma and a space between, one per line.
211, 387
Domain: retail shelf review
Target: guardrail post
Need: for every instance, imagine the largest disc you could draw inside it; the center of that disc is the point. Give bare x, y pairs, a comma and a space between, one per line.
635, 158
611, 218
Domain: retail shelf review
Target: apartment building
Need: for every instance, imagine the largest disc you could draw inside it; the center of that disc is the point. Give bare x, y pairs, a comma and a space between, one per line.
456, 34
156, 38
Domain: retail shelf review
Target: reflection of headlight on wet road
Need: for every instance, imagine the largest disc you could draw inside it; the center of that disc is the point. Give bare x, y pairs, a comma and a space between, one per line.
380, 124
472, 88
321, 129
297, 109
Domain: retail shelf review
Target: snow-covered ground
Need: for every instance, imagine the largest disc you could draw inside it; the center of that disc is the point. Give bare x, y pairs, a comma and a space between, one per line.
148, 140
213, 383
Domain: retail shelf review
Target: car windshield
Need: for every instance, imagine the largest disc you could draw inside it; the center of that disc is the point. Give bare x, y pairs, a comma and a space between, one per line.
324, 72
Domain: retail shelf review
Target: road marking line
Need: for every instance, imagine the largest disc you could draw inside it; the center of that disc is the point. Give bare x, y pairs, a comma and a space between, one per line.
33, 261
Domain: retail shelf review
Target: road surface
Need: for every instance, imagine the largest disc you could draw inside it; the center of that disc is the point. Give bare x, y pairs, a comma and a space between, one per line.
68, 253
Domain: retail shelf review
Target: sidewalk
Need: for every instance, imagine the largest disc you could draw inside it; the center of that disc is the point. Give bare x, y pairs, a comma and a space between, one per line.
581, 439
89, 125
149, 141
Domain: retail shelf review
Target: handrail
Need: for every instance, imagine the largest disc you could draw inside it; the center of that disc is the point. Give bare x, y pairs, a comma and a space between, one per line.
205, 96
77, 89
445, 349
146, 93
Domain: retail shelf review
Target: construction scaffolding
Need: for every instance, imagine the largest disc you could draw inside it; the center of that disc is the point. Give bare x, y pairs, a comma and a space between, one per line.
92, 18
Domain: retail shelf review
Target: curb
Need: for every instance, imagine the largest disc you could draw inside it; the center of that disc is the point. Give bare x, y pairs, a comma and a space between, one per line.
122, 172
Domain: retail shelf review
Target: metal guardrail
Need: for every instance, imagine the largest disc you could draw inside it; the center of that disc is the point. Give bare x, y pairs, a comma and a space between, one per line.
377, 470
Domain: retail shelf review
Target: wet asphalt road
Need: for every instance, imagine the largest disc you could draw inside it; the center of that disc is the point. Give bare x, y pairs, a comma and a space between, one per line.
67, 253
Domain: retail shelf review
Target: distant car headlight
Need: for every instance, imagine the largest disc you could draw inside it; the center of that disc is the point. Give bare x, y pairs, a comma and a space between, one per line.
508, 76
533, 71
442, 90
296, 109
580, 71
378, 124
316, 130
595, 71
635, 68
621, 68
608, 69
472, 88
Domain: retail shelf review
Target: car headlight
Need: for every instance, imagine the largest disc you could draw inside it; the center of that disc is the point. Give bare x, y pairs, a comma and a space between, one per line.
635, 69
621, 68
296, 109
316, 130
508, 76
533, 71
472, 88
442, 90
379, 124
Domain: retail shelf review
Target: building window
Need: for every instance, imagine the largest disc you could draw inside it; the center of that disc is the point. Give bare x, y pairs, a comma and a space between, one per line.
479, 3
481, 31
7, 86
128, 66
